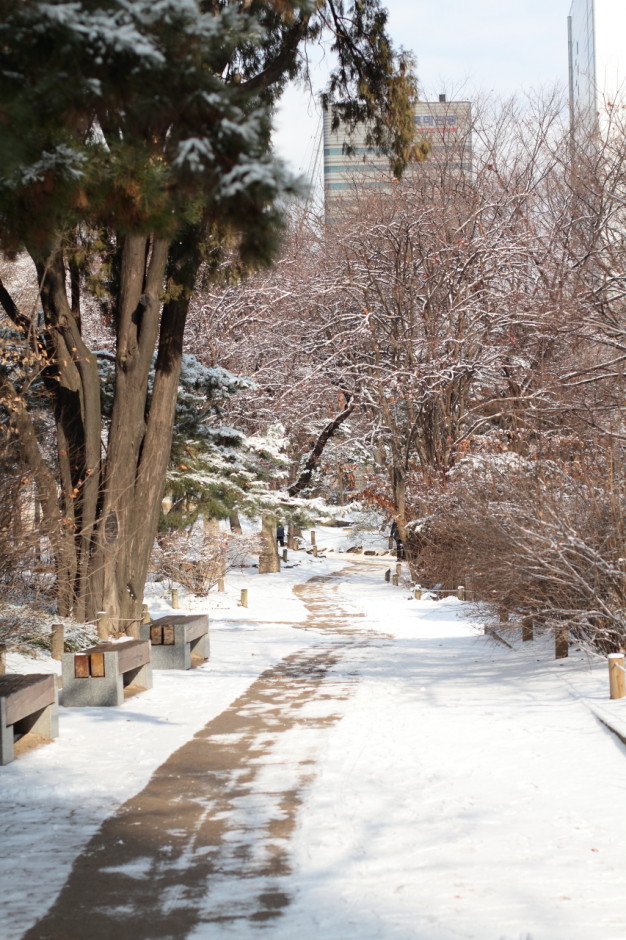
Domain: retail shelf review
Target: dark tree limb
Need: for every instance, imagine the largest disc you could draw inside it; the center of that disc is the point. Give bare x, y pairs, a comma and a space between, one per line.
10, 308
314, 457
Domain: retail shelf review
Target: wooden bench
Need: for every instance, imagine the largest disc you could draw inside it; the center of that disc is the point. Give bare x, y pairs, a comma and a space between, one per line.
179, 641
27, 704
99, 676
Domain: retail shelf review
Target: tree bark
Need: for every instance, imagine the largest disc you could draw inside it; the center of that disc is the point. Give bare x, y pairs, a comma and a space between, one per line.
269, 559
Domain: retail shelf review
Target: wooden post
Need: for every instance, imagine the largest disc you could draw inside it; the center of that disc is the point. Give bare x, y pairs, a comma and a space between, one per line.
315, 551
398, 569
460, 592
313, 542
503, 615
103, 625
418, 592
175, 604
561, 645
145, 614
244, 597
617, 683
284, 554
527, 629
57, 641
220, 585
394, 580
3, 659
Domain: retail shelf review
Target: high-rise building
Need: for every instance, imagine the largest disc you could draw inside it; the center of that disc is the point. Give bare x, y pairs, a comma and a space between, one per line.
597, 65
446, 125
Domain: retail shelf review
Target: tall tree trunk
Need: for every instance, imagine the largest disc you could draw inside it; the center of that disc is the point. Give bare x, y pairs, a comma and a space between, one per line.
78, 420
269, 559
140, 442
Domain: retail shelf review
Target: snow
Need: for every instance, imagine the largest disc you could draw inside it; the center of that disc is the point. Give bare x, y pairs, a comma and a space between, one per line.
463, 789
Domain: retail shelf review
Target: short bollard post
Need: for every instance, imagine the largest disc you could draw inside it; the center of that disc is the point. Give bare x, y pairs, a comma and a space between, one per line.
313, 542
244, 597
394, 580
617, 683
103, 625
398, 569
460, 592
284, 554
315, 551
145, 614
418, 592
220, 585
527, 629
57, 640
175, 598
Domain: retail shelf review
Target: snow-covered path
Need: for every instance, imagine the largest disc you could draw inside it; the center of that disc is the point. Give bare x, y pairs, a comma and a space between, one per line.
391, 774
208, 841
467, 792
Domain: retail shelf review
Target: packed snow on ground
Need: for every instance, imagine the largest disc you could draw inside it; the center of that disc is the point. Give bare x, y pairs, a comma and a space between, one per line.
468, 791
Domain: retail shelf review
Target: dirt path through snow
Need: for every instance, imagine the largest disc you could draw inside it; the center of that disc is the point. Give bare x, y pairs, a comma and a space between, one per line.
208, 839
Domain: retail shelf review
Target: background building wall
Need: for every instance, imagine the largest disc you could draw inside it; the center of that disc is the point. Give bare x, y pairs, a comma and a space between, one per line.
597, 63
446, 125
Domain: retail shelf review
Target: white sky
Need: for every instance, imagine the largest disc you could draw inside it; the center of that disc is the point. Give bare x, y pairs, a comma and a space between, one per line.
463, 47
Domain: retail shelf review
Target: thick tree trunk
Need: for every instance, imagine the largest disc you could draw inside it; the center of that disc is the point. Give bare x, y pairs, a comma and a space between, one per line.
104, 520
72, 377
78, 421
141, 283
140, 442
269, 559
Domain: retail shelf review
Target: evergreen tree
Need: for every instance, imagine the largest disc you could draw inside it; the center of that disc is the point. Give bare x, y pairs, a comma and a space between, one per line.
135, 134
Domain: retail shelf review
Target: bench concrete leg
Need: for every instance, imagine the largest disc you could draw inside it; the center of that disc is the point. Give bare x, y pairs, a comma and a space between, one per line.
6, 737
201, 647
141, 677
46, 722
174, 656
95, 690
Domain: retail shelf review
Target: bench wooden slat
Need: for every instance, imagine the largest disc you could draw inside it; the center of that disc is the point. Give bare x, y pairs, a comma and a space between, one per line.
156, 635
133, 655
195, 630
96, 664
194, 625
130, 655
81, 666
26, 694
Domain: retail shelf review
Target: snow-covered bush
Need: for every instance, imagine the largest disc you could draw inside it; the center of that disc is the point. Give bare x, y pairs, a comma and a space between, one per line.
197, 559
536, 539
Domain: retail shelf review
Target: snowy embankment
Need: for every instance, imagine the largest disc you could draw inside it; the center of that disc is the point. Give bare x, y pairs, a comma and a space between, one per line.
467, 792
